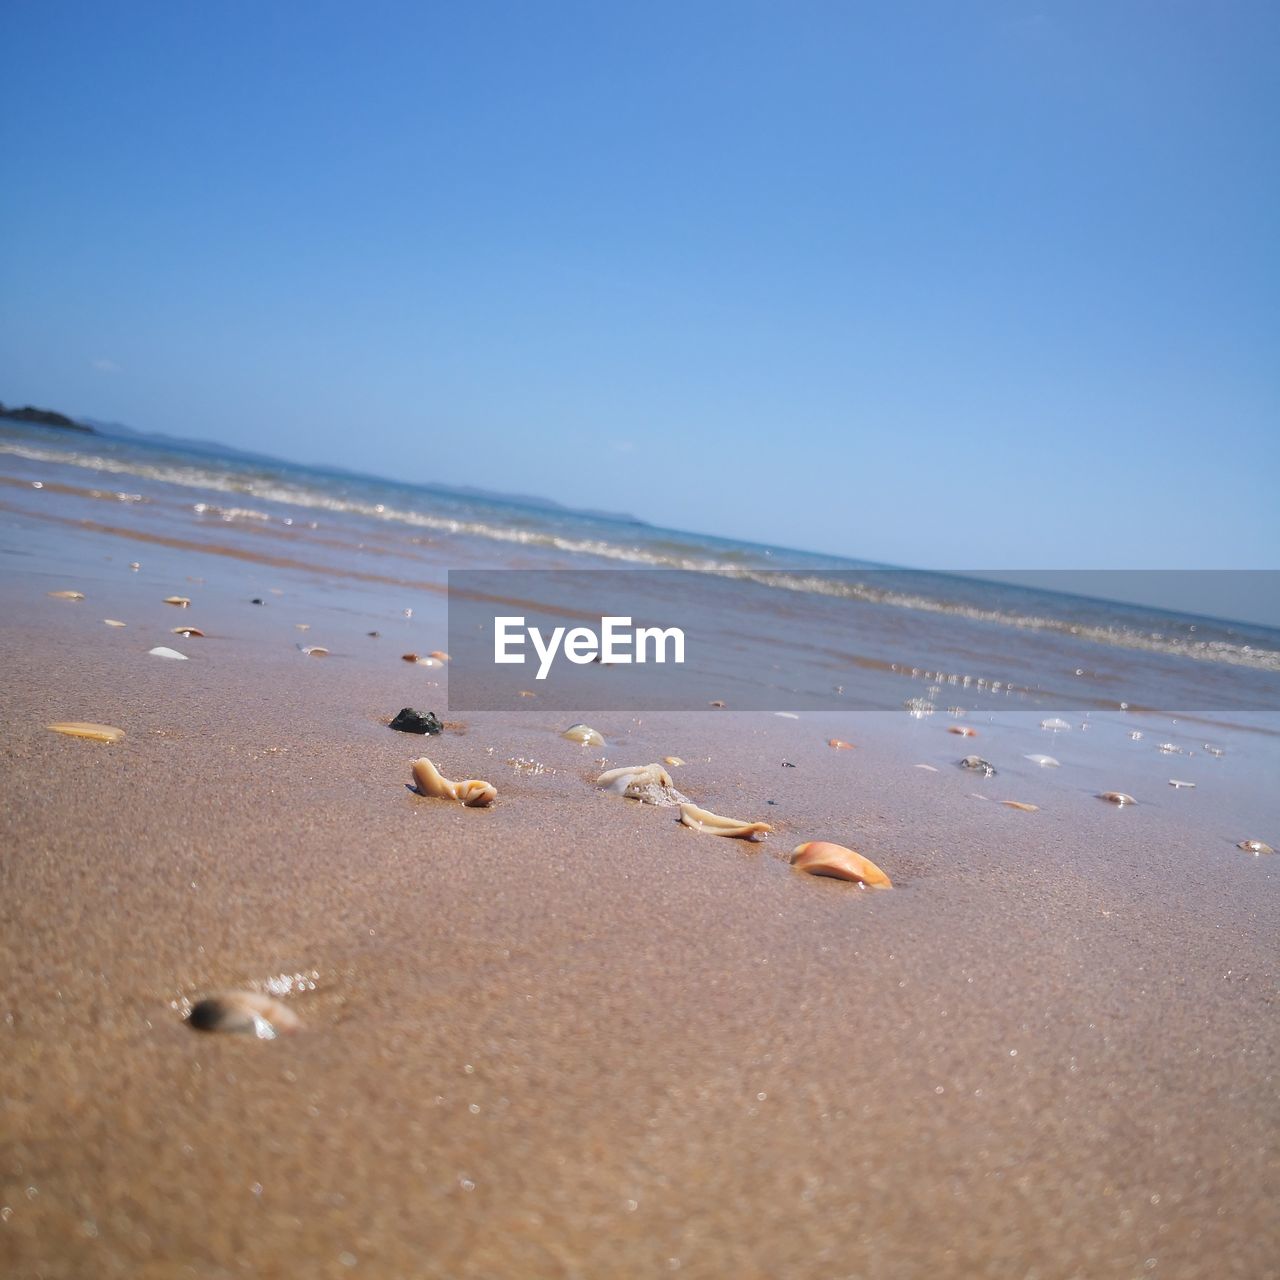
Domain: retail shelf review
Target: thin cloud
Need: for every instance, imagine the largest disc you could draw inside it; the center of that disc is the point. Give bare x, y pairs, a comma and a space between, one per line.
103, 365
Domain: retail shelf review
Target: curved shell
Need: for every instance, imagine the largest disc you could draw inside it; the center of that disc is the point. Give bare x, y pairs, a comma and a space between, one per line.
1255, 846
823, 858
429, 781
648, 783
182, 602
245, 1012
713, 824
1116, 797
584, 734
86, 729
839, 744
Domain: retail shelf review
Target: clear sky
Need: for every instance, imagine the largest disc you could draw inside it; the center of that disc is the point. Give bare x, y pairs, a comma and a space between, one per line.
943, 284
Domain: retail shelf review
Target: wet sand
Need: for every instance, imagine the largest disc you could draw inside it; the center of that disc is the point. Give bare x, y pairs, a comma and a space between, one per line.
567, 1037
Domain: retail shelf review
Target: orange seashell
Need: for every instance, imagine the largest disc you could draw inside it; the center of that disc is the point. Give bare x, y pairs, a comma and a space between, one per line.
963, 730
1018, 804
840, 744
823, 858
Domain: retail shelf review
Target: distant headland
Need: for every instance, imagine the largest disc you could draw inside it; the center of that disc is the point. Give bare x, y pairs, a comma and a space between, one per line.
44, 418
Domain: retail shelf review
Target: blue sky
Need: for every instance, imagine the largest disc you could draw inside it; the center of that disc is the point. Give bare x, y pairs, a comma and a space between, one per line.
933, 284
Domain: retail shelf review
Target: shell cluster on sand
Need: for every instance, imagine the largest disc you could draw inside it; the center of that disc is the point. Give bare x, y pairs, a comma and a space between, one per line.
429, 781
824, 858
584, 734
87, 729
713, 824
245, 1012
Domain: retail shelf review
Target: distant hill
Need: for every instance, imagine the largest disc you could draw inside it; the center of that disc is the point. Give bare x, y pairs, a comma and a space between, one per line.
44, 418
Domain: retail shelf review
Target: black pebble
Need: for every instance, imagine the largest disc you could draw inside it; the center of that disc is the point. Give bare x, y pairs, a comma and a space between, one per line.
786, 764
410, 721
374, 634
257, 600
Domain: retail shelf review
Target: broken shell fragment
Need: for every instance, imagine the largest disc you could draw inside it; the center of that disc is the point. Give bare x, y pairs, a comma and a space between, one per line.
114, 622
985, 767
86, 729
421, 660
713, 824
245, 1012
648, 783
163, 651
429, 781
1018, 804
674, 761
187, 631
314, 650
1116, 797
439, 655
963, 730
584, 734
66, 595
1255, 846
839, 744
182, 602
1177, 784
823, 858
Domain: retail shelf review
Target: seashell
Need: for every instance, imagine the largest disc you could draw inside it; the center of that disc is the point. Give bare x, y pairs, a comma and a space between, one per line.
86, 729
429, 781
648, 783
963, 730
420, 660
114, 622
985, 767
314, 650
244, 1011
161, 651
713, 824
823, 858
1055, 724
527, 693
839, 744
302, 626
439, 655
717, 704
134, 565
1117, 797
584, 734
673, 761
1045, 762
1017, 804
66, 595
188, 632
1255, 846
1177, 784
787, 715
182, 602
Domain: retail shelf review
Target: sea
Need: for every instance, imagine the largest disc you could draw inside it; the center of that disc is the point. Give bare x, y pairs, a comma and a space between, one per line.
801, 628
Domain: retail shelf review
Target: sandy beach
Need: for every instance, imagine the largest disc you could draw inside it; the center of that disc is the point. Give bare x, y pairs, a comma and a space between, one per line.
566, 1036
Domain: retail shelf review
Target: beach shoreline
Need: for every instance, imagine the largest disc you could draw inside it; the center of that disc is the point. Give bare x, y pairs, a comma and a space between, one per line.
566, 1036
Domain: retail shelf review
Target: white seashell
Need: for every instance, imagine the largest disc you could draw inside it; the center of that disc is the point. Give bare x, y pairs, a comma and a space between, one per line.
114, 622
161, 651
584, 734
713, 824
1178, 785
1045, 762
787, 715
244, 1011
648, 783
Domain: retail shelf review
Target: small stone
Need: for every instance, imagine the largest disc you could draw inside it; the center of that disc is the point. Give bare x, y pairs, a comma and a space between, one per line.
407, 720
245, 1012
257, 600
1117, 797
1255, 846
985, 767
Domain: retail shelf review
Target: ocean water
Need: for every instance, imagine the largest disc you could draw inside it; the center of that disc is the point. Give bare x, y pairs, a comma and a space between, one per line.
881, 636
